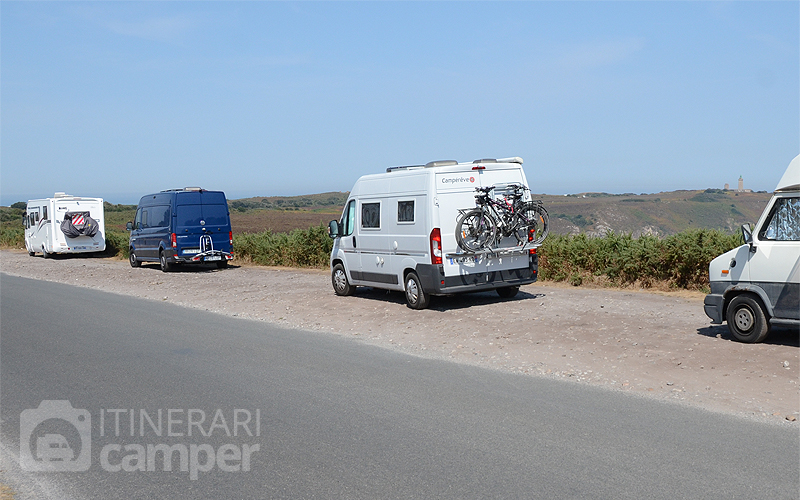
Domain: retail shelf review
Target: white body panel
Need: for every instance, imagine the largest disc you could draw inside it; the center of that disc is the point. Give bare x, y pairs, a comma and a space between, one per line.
379, 252
43, 229
770, 266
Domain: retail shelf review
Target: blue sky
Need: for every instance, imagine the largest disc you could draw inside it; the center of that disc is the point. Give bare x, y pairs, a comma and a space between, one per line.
118, 99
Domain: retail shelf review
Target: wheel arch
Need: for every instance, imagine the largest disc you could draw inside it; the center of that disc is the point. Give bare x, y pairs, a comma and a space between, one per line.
752, 290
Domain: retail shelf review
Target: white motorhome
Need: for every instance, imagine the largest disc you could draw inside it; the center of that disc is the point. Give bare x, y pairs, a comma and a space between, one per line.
757, 285
64, 224
397, 232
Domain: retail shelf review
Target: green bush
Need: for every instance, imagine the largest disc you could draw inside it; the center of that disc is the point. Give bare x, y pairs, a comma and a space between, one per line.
298, 248
12, 237
681, 260
117, 243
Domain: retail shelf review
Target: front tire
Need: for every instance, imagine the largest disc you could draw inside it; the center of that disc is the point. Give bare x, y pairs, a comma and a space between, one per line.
166, 266
132, 259
45, 255
415, 295
339, 280
747, 320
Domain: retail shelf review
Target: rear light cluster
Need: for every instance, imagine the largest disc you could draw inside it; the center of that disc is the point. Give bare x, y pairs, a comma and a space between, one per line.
174, 240
436, 246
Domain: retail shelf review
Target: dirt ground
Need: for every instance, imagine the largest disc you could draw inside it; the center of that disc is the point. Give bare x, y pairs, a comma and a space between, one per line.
658, 345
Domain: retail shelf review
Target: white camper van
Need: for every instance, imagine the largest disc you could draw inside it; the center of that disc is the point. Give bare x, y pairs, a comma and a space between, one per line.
757, 285
64, 224
397, 232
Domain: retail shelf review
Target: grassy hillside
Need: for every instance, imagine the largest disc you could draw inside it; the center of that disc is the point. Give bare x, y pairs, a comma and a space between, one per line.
659, 214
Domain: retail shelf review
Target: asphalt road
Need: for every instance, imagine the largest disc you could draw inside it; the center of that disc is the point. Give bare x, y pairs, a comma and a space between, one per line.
332, 417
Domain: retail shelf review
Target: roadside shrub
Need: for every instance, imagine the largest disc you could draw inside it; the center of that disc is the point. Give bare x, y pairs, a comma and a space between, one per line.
299, 248
116, 243
680, 260
12, 237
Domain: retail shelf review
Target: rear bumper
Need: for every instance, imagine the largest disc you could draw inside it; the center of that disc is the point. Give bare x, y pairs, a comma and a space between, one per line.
436, 283
200, 258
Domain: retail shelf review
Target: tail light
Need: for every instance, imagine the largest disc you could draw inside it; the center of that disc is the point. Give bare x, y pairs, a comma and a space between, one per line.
531, 234
436, 246
230, 238
174, 241
532, 251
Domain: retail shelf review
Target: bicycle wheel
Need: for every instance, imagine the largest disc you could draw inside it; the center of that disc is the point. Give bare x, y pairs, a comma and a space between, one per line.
533, 224
475, 230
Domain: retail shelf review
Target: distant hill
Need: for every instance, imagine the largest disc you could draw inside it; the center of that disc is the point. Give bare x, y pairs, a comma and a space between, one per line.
660, 214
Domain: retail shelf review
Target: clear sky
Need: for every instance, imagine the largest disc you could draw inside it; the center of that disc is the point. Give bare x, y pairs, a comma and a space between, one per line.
118, 99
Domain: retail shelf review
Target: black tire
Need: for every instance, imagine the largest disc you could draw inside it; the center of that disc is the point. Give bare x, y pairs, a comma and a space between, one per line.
132, 259
507, 291
166, 266
538, 221
747, 320
339, 281
31, 253
45, 255
475, 230
415, 295
222, 264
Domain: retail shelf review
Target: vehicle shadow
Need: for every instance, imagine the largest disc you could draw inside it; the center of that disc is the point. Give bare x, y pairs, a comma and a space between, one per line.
445, 302
778, 336
192, 268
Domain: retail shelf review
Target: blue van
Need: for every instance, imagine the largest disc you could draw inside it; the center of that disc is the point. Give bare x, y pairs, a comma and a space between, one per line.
181, 226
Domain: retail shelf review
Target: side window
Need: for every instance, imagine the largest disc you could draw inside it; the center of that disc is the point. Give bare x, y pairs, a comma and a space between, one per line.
371, 215
144, 217
36, 215
159, 216
349, 218
405, 211
784, 222
137, 222
25, 220
44, 213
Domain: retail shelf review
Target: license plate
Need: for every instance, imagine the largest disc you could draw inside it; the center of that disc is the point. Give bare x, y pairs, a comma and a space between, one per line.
191, 251
467, 259
213, 257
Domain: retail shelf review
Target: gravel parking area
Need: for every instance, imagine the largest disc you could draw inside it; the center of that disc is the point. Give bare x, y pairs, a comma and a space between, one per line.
657, 345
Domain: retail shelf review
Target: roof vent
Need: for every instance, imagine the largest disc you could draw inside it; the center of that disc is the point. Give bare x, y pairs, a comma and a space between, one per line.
485, 160
440, 163
513, 159
61, 194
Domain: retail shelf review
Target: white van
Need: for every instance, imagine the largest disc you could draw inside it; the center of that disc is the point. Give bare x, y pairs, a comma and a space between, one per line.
757, 285
397, 232
64, 224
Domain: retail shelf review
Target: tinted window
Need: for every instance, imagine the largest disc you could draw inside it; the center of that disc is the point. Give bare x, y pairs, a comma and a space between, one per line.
371, 215
405, 211
189, 215
157, 216
137, 224
215, 215
349, 218
44, 213
784, 222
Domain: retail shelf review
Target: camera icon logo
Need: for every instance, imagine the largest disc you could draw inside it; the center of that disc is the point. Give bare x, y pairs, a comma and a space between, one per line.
55, 437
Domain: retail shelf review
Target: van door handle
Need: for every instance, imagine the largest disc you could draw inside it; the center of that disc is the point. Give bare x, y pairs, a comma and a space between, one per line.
354, 241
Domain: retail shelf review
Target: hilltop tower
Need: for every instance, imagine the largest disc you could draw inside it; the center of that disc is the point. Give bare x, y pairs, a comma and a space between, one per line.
741, 184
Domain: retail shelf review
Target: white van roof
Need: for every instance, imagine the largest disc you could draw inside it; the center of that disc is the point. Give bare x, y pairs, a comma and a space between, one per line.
791, 178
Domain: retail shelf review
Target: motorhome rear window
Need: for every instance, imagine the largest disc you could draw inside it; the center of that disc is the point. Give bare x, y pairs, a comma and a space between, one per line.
371, 215
405, 211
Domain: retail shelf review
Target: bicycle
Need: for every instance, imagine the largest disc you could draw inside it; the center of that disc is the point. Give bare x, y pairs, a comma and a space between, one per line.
493, 219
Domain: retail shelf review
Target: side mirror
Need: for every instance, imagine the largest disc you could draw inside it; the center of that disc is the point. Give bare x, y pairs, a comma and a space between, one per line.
333, 229
129, 226
747, 236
